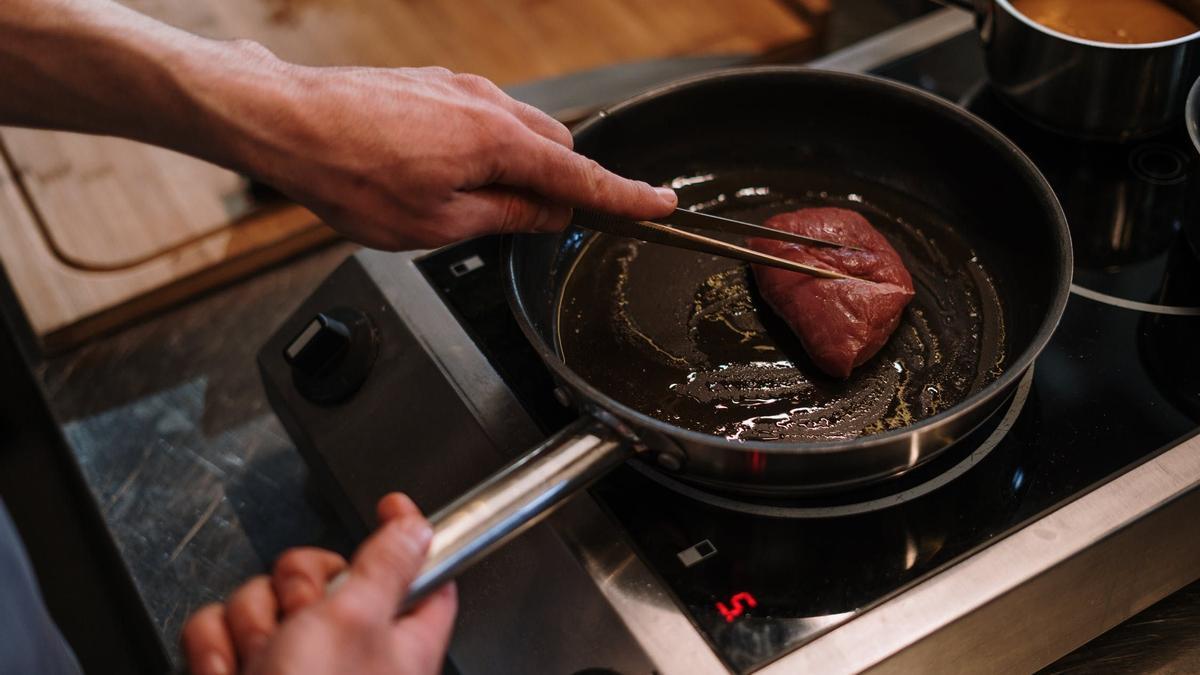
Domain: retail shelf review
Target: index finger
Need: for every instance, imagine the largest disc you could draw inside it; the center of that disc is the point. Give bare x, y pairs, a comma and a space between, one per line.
564, 176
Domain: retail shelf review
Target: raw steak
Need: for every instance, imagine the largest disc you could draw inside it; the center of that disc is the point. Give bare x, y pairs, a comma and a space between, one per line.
841, 323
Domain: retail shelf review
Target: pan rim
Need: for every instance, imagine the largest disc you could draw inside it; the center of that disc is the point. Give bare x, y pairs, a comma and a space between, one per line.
985, 396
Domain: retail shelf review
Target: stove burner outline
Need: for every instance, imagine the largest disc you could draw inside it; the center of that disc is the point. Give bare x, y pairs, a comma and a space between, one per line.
1015, 406
1142, 162
1170, 310
1149, 163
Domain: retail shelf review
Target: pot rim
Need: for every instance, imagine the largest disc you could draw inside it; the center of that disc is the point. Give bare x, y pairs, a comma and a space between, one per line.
1192, 114
1008, 6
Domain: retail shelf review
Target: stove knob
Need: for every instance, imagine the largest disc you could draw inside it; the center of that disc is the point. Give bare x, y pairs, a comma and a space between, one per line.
332, 355
319, 346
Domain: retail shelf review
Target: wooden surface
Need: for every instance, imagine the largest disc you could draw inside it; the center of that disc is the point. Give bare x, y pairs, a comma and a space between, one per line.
95, 231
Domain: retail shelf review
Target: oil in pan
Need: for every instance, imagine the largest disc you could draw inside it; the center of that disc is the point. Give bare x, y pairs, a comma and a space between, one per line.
684, 337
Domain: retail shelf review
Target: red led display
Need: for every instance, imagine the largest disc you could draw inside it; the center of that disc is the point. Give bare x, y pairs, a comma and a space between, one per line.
737, 605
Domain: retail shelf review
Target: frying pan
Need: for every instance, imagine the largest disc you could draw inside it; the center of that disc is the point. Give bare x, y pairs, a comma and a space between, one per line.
629, 329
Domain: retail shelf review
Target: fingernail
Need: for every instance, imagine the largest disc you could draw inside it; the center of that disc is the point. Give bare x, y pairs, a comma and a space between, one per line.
417, 532
408, 502
667, 195
215, 664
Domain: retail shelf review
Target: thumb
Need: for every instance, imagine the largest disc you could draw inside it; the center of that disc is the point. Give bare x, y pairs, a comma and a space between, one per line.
386, 565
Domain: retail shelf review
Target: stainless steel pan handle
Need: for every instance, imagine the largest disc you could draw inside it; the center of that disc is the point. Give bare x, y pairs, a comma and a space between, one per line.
513, 499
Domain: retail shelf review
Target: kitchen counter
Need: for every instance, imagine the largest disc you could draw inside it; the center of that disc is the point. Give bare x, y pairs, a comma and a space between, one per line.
196, 480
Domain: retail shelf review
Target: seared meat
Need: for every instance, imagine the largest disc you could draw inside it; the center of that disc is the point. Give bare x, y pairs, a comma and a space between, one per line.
841, 323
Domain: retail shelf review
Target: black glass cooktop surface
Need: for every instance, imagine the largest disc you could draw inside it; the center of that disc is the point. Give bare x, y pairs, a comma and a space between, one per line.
1117, 383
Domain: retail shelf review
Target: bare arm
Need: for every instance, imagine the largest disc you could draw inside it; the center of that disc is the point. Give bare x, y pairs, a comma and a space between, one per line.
394, 158
95, 66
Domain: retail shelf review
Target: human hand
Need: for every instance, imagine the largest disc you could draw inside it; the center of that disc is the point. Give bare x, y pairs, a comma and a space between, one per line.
287, 624
392, 157
418, 157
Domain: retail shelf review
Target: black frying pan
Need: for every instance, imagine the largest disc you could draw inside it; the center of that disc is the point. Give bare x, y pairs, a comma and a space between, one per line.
670, 353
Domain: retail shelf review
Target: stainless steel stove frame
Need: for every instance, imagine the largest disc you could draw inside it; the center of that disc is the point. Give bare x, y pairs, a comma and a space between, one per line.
1017, 605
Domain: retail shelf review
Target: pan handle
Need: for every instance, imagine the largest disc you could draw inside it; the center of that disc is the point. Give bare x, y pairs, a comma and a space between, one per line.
513, 499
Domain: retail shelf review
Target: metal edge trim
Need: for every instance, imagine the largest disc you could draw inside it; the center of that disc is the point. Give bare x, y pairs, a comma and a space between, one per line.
902, 40
646, 606
974, 585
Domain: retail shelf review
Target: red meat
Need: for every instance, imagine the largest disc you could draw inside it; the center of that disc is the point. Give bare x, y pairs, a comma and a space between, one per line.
842, 323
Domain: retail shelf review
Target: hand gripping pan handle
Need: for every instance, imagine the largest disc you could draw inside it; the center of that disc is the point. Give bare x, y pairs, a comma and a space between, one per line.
512, 500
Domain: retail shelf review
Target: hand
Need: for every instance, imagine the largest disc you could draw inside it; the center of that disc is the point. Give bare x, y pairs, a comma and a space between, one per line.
393, 158
420, 157
287, 624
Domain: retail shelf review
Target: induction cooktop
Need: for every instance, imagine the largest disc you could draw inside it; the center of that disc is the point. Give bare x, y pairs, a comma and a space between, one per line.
777, 582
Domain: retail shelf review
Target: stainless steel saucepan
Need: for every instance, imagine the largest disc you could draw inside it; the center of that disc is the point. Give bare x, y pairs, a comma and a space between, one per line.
1085, 88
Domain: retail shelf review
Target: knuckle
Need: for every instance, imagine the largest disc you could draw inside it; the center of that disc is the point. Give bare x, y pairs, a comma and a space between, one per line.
565, 135
394, 552
475, 83
293, 561
348, 610
496, 135
253, 48
246, 602
250, 587
557, 130
514, 214
511, 133
592, 176
437, 71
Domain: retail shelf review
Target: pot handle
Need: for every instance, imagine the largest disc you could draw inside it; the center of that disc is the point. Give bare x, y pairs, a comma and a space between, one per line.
514, 499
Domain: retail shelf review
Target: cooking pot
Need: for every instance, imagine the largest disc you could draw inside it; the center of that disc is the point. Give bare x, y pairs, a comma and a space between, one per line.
1095, 90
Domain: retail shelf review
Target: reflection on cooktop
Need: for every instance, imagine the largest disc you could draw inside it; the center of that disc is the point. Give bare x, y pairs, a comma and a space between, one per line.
1126, 204
1167, 342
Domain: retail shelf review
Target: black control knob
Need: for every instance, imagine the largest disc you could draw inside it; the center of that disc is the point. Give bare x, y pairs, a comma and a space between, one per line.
320, 346
332, 355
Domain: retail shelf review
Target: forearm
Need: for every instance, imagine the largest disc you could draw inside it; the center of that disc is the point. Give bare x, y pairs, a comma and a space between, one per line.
393, 158
96, 66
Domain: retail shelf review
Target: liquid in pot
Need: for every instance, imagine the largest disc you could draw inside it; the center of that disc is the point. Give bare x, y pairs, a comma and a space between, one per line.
1117, 21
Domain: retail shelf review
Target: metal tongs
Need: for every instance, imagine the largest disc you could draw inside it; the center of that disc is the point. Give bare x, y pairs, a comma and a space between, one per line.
669, 231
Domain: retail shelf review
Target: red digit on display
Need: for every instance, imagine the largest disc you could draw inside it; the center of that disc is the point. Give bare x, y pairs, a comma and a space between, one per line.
736, 608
